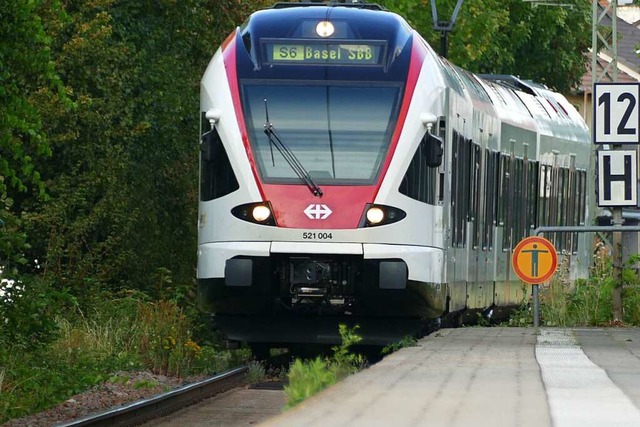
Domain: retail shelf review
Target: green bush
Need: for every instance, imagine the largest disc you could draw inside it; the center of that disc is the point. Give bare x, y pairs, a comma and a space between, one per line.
136, 332
586, 302
38, 380
631, 291
28, 309
407, 341
307, 378
119, 333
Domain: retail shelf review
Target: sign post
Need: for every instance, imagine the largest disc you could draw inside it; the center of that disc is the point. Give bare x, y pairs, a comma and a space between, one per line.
616, 122
535, 261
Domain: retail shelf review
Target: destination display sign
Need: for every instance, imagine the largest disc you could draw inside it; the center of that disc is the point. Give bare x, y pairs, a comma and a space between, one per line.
334, 53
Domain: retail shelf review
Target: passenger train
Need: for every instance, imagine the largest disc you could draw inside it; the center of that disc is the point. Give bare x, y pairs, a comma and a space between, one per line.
349, 174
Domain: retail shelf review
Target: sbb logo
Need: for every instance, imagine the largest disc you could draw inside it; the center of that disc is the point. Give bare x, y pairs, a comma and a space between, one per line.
317, 211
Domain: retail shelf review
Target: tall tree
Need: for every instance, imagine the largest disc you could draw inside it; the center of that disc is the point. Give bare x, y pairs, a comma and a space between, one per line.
26, 68
123, 175
542, 43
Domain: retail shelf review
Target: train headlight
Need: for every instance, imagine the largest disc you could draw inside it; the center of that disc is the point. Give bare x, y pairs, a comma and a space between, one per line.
325, 29
261, 213
375, 215
257, 213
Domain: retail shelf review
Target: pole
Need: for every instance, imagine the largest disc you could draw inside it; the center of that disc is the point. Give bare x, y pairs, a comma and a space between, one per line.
616, 295
444, 26
443, 43
536, 308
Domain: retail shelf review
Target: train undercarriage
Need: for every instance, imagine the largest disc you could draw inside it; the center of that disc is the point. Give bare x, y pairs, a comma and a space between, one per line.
303, 299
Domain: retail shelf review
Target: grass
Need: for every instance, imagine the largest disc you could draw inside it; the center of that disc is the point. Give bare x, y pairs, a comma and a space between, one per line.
585, 302
407, 341
51, 349
308, 377
88, 347
256, 372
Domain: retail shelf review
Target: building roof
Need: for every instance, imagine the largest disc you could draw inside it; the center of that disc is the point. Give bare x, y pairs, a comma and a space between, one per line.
628, 41
628, 59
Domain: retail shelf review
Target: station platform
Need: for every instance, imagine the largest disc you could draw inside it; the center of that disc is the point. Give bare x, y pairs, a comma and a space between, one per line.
491, 376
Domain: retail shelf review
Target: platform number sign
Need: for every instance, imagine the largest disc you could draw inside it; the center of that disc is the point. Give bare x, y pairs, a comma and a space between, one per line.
616, 113
617, 178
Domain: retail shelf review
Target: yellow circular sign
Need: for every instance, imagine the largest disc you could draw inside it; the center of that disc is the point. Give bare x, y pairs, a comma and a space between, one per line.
534, 260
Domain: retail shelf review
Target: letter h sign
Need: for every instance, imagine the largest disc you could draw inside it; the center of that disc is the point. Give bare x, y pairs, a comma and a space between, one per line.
617, 178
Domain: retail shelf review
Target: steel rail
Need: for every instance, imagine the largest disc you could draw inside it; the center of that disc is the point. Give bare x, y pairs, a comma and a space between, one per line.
163, 404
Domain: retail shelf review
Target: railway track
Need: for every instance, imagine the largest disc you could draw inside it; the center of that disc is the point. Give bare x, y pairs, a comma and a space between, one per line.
223, 400
143, 411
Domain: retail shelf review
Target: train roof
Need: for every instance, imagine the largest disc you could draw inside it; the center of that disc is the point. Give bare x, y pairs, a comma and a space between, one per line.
343, 3
513, 99
363, 22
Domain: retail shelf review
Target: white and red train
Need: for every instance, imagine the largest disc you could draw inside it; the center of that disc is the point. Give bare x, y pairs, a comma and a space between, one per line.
351, 175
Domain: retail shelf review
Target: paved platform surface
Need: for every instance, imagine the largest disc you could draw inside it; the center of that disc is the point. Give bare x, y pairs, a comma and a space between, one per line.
477, 377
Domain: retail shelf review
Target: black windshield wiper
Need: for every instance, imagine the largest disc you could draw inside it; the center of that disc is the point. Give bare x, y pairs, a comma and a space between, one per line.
288, 155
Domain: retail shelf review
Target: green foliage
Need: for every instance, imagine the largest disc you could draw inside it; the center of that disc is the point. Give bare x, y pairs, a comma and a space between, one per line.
407, 341
13, 243
631, 291
28, 309
26, 69
256, 372
145, 384
38, 380
545, 44
523, 315
98, 177
119, 334
307, 378
585, 302
344, 360
122, 179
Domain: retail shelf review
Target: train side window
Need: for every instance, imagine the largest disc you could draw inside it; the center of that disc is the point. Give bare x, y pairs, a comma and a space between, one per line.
217, 178
572, 201
579, 205
518, 218
420, 181
477, 214
465, 193
532, 193
582, 191
465, 190
562, 205
507, 195
460, 188
503, 188
454, 188
491, 191
553, 202
545, 194
455, 172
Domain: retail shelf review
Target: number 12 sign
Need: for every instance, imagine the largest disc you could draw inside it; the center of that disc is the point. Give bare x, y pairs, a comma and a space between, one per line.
616, 113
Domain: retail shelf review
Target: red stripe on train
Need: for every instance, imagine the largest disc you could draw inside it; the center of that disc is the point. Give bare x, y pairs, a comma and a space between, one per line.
229, 55
340, 207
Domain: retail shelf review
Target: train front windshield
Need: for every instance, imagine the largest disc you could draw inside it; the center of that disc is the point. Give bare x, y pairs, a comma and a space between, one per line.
341, 134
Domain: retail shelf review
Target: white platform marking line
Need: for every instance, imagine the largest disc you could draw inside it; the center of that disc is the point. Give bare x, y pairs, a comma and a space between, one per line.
579, 392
